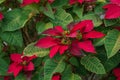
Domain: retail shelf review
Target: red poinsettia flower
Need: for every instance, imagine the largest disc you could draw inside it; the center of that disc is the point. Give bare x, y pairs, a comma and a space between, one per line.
118, 28
56, 77
51, 1
75, 1
27, 2
116, 72
20, 63
7, 78
1, 16
113, 9
74, 39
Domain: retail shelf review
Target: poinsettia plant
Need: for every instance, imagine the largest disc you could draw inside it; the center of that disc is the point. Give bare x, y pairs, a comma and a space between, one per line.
59, 39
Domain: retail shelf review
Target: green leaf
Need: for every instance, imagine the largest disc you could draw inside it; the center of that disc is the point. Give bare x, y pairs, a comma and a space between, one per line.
96, 20
112, 62
59, 3
75, 77
20, 1
12, 38
62, 18
37, 62
98, 8
41, 26
68, 75
110, 22
52, 66
93, 64
78, 11
31, 49
112, 42
74, 61
1, 45
15, 19
20, 77
1, 1
99, 42
38, 75
47, 10
3, 67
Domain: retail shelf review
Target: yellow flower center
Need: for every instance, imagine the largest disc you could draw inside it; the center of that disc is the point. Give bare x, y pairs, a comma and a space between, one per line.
24, 63
66, 41
79, 36
66, 33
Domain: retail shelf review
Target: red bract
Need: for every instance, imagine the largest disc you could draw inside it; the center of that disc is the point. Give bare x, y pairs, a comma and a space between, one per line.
20, 63
75, 1
116, 72
113, 9
27, 2
1, 16
51, 1
56, 77
73, 40
7, 78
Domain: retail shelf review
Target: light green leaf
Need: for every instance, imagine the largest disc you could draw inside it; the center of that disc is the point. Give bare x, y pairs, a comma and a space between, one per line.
47, 10
93, 64
62, 18
78, 11
1, 1
15, 19
112, 42
31, 49
3, 67
41, 26
96, 20
75, 77
68, 75
12, 38
51, 67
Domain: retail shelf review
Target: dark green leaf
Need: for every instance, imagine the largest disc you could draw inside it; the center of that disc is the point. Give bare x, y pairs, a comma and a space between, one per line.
12, 38
20, 77
3, 67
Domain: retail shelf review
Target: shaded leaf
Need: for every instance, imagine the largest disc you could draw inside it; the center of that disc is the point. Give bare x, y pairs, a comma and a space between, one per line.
3, 67
20, 77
